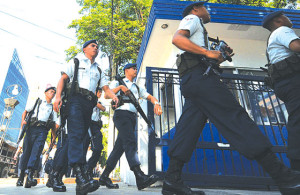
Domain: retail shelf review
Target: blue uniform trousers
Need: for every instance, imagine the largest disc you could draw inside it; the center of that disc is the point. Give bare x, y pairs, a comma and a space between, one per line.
33, 146
206, 97
288, 90
60, 161
80, 111
125, 122
97, 145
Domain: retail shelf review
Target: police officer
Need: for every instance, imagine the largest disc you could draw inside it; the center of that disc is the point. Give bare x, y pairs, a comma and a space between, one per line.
94, 137
208, 97
80, 109
125, 121
60, 164
41, 121
283, 53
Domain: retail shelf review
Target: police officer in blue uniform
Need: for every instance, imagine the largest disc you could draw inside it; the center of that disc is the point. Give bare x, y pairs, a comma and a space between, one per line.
283, 54
207, 97
60, 164
125, 121
80, 109
94, 137
34, 140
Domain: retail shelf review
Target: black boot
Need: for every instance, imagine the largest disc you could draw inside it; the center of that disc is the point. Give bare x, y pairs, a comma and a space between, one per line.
295, 164
104, 180
30, 182
60, 176
55, 183
82, 184
173, 183
21, 178
142, 180
49, 183
287, 180
94, 183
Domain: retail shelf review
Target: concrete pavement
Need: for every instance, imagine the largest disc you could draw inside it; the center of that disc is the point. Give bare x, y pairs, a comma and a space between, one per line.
7, 186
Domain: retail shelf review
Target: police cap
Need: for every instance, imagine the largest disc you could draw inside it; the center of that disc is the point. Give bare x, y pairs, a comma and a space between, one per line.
48, 87
129, 65
269, 17
189, 7
89, 42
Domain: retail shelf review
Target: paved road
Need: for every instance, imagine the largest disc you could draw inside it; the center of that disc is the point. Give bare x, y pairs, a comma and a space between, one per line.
7, 186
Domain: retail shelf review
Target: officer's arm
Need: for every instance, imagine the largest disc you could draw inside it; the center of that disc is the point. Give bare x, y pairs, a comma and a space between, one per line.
101, 107
109, 94
180, 40
295, 45
60, 87
120, 87
157, 107
23, 118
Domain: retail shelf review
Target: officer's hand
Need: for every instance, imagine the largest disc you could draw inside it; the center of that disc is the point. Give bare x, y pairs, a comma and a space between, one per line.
217, 55
23, 123
57, 104
157, 110
116, 100
15, 157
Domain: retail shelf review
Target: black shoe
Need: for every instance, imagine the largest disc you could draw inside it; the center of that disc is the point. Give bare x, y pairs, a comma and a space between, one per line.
30, 182
94, 183
289, 183
60, 182
49, 183
287, 179
142, 180
20, 182
82, 184
106, 181
21, 178
178, 188
55, 183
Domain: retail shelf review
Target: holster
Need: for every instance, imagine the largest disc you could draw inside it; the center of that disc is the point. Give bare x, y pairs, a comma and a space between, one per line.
84, 92
186, 62
284, 68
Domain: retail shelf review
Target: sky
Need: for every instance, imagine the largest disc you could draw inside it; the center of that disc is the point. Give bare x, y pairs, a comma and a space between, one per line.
38, 30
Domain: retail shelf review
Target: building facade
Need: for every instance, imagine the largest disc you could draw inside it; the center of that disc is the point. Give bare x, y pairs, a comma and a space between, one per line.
12, 74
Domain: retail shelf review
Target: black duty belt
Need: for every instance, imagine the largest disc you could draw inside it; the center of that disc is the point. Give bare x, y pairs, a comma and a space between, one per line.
88, 95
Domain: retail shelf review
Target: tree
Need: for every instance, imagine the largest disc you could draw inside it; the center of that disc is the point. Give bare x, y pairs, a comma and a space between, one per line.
122, 40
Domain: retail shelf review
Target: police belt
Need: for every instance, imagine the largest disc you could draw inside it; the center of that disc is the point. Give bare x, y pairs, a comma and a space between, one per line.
36, 123
96, 122
284, 68
87, 94
187, 62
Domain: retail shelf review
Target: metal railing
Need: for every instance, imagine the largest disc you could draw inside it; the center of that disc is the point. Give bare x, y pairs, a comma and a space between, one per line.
214, 162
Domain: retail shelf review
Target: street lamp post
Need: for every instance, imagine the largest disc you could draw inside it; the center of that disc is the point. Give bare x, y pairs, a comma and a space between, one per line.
10, 104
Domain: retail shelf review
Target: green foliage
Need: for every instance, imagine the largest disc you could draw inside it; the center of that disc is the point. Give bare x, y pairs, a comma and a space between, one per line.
103, 156
129, 21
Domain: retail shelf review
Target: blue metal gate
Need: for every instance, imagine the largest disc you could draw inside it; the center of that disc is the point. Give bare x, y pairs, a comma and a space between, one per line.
214, 162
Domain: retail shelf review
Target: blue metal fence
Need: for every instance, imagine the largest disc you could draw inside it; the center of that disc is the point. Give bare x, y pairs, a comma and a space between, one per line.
214, 162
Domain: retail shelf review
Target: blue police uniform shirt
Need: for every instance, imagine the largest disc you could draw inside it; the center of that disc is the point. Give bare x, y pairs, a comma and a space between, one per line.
141, 93
278, 44
192, 23
44, 112
88, 74
96, 115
